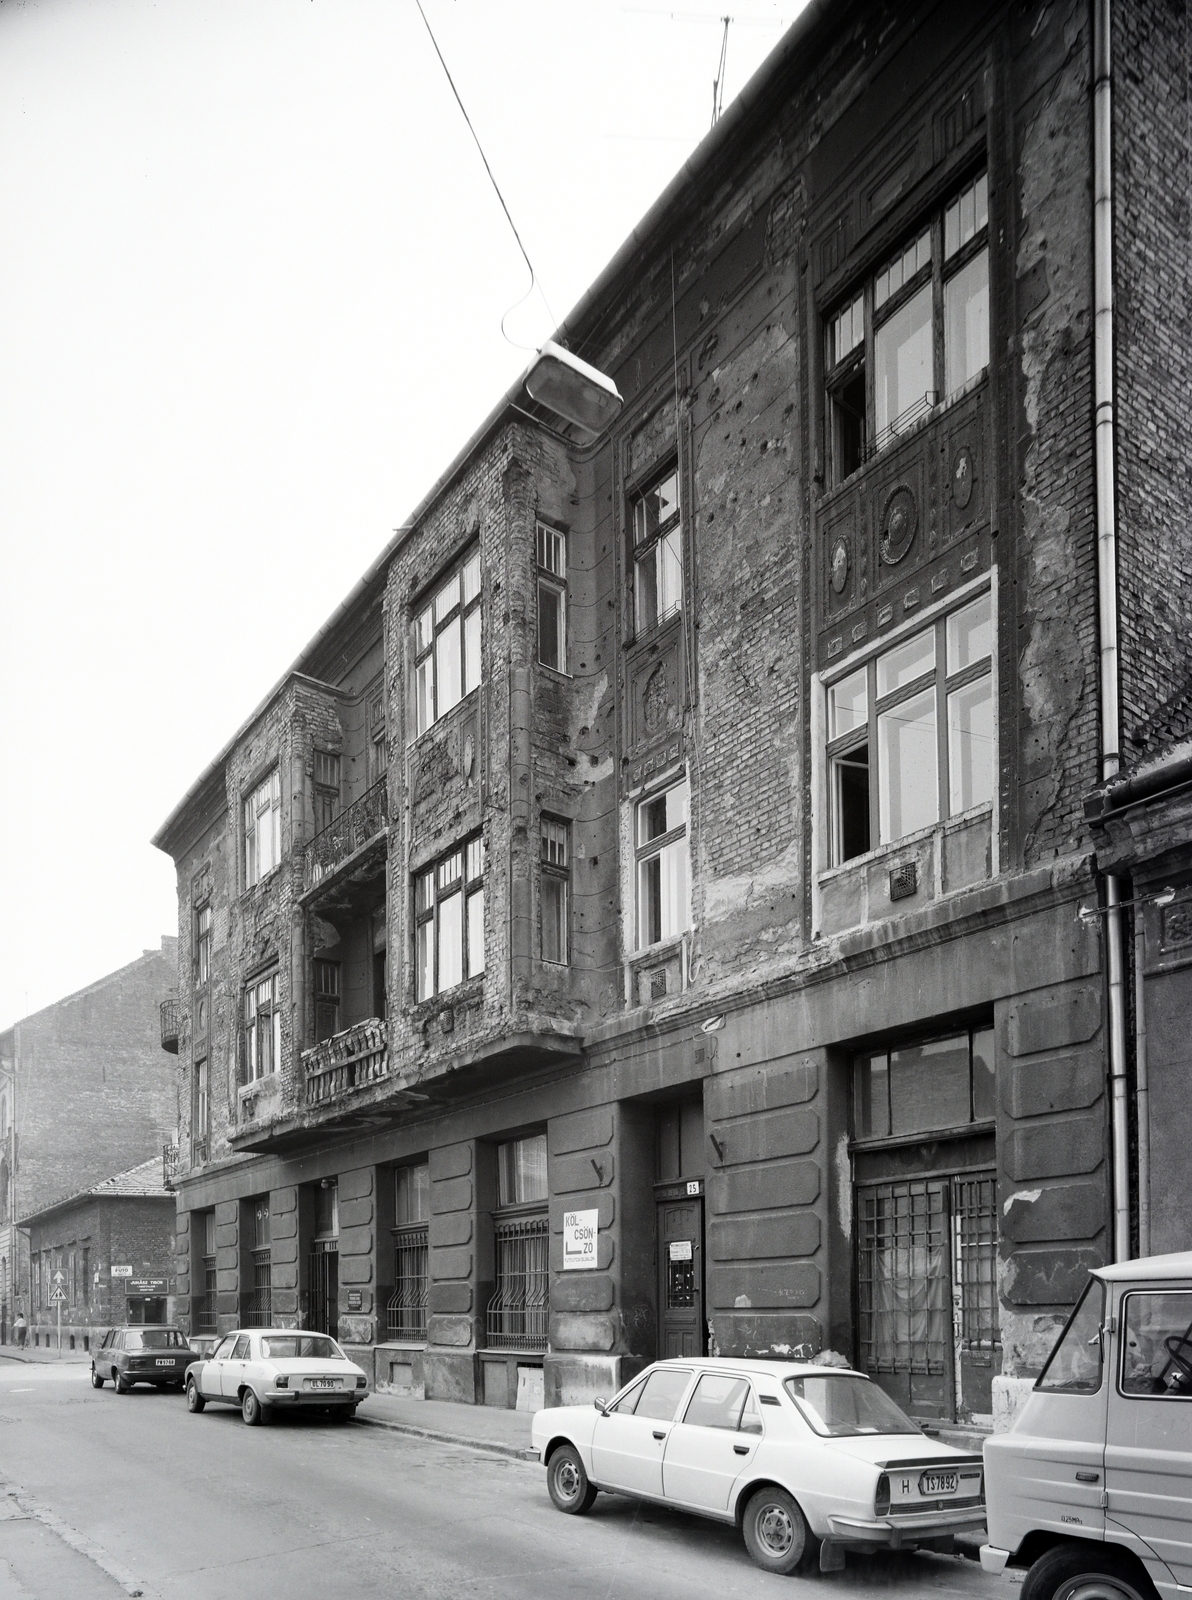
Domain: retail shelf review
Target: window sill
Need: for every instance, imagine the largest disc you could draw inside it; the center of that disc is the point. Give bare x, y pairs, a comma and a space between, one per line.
900, 1141
445, 999
655, 631
907, 841
660, 951
555, 672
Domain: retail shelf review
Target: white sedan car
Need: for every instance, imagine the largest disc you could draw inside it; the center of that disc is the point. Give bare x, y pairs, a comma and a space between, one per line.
265, 1369
799, 1457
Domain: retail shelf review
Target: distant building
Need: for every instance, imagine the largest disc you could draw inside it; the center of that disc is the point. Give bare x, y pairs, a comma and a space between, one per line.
86, 1089
111, 1245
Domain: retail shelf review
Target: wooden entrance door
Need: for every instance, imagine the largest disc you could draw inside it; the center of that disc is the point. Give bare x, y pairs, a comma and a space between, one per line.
680, 1238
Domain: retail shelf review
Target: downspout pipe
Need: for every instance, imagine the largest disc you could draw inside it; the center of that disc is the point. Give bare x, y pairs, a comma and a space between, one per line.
1107, 602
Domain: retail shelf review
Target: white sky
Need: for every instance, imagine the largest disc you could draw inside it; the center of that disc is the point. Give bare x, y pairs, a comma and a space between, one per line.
252, 276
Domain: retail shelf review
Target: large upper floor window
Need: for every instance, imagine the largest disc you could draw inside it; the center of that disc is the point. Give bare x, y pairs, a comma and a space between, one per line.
910, 733
327, 788
447, 644
327, 976
262, 1029
916, 333
449, 920
552, 598
555, 890
262, 829
925, 1086
203, 929
661, 849
657, 551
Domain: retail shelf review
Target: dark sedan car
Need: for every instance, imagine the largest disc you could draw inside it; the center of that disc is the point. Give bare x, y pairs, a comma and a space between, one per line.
156, 1355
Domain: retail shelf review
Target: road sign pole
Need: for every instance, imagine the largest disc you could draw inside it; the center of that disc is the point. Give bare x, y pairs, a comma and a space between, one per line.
59, 1327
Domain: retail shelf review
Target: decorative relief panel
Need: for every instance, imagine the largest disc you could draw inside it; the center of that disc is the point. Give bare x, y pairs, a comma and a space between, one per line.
655, 699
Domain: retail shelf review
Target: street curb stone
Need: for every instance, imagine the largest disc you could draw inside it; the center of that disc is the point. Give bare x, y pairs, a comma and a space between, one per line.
515, 1452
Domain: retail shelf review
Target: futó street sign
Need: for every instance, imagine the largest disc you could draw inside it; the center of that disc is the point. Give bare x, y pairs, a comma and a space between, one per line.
580, 1231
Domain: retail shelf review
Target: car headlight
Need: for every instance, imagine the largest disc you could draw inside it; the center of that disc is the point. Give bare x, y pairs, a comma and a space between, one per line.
881, 1500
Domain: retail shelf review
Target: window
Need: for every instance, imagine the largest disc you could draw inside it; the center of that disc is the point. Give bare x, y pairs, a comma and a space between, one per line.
1157, 1345
259, 1311
925, 1086
517, 1312
85, 1275
845, 1405
327, 1209
262, 830
204, 921
411, 1216
262, 1029
326, 999
201, 1120
521, 1171
910, 733
658, 1398
552, 598
378, 745
205, 1307
722, 1401
447, 645
920, 326
657, 552
326, 789
555, 890
661, 838
1075, 1362
449, 920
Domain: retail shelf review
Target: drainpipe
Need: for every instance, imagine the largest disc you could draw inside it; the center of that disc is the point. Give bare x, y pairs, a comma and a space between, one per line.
1103, 400
1142, 1094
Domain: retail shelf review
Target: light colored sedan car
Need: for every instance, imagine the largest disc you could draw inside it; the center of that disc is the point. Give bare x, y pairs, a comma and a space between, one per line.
799, 1457
263, 1369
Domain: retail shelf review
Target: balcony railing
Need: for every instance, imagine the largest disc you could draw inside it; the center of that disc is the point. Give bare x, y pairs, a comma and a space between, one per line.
169, 1026
169, 1165
363, 820
356, 1056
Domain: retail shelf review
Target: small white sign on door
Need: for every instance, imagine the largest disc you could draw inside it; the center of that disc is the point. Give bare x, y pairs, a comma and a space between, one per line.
580, 1231
679, 1249
121, 1272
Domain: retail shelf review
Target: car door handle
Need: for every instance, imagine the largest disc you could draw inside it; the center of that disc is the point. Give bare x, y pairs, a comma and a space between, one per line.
740, 1449
1088, 1477
658, 1434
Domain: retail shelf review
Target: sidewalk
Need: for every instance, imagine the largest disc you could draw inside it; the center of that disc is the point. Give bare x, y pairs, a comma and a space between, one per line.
10, 1352
505, 1433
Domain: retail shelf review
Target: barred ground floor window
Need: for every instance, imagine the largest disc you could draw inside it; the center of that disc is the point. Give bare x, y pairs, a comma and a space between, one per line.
517, 1312
406, 1312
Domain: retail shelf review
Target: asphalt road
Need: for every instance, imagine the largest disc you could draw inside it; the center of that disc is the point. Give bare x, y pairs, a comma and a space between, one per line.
103, 1495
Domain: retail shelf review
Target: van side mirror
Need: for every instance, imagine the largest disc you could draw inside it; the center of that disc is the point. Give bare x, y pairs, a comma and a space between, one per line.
601, 1406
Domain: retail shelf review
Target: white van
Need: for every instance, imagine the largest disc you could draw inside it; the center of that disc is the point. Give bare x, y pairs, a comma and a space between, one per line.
1091, 1489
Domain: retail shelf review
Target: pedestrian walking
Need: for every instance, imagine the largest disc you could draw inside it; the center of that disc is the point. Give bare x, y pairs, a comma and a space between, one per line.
21, 1328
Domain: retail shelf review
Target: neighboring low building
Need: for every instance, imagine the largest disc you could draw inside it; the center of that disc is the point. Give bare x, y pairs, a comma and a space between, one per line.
111, 1244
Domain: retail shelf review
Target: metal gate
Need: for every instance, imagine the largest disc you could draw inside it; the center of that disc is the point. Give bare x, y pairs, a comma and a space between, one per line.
323, 1295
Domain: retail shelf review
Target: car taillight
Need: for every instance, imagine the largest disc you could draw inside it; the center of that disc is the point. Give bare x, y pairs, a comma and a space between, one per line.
362, 1383
881, 1500
281, 1383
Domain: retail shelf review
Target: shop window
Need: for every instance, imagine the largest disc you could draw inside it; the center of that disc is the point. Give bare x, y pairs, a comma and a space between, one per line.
911, 733
406, 1317
326, 789
552, 598
446, 641
555, 890
262, 829
327, 997
262, 1030
663, 910
204, 922
449, 920
920, 326
925, 1086
657, 551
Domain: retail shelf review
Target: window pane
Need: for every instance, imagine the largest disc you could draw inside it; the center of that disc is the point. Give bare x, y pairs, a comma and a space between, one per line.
471, 578
450, 870
966, 323
474, 858
670, 572
904, 383
447, 667
450, 921
447, 598
908, 662
848, 704
907, 795
1157, 1325
672, 889
645, 590
550, 626
411, 1194
967, 215
850, 801
1075, 1363
654, 509
471, 650
424, 693
970, 746
847, 330
871, 1111
661, 1395
984, 1079
902, 269
423, 960
662, 813
423, 631
552, 548
554, 917
476, 933
521, 1170
423, 892
929, 1085
970, 633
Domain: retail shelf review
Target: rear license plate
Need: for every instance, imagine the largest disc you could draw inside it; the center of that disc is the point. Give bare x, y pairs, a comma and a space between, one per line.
166, 1361
322, 1383
937, 1483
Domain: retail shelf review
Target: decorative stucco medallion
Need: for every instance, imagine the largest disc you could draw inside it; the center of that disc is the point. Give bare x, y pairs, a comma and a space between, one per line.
839, 566
656, 707
900, 523
962, 476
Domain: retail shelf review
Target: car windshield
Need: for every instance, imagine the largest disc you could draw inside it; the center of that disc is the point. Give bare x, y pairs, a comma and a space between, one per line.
842, 1405
299, 1346
154, 1339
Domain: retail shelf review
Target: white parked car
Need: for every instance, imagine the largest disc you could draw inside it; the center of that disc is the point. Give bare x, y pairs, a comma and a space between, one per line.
799, 1457
263, 1369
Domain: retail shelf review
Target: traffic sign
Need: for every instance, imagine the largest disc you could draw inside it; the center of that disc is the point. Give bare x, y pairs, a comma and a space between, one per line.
59, 1279
58, 1298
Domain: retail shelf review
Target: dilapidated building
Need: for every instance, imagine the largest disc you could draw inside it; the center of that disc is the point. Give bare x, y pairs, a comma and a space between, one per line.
657, 913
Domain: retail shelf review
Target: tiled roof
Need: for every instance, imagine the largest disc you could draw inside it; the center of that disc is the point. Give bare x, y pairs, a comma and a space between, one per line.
147, 1180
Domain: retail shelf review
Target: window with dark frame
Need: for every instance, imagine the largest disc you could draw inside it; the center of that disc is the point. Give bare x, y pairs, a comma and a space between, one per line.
925, 1086
406, 1317
447, 640
262, 1029
326, 789
916, 333
449, 920
657, 533
517, 1313
327, 996
200, 1125
663, 907
378, 745
555, 890
911, 733
552, 598
204, 923
262, 829
260, 1307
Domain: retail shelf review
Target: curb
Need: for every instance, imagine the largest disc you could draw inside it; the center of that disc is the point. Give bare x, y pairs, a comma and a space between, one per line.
515, 1452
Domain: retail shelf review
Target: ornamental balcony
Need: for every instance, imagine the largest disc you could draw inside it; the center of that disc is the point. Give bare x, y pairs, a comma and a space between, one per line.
348, 837
348, 1060
169, 1026
169, 1165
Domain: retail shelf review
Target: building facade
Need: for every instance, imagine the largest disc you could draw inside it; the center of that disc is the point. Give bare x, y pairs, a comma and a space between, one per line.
647, 919
85, 1089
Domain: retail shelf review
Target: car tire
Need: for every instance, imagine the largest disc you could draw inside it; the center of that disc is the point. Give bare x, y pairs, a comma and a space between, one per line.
342, 1413
1068, 1570
775, 1531
122, 1384
194, 1400
567, 1482
251, 1408
96, 1380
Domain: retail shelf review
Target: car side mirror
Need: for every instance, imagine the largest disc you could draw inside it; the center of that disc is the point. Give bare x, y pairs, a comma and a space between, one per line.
601, 1406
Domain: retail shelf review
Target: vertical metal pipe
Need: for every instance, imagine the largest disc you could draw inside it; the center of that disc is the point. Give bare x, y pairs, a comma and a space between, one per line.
1117, 1072
1142, 1095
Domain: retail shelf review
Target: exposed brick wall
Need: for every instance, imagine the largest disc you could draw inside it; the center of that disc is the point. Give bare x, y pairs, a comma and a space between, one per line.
129, 1231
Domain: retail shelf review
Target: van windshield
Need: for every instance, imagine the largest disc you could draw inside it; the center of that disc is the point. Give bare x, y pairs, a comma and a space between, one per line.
1075, 1364
840, 1406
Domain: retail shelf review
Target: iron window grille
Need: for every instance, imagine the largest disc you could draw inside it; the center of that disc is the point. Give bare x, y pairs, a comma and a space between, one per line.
657, 532
517, 1312
406, 1311
262, 829
663, 910
552, 598
203, 928
327, 975
262, 1030
555, 890
326, 789
917, 330
902, 1278
446, 641
911, 733
449, 920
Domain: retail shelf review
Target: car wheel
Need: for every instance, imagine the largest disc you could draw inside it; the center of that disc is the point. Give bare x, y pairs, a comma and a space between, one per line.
122, 1384
194, 1400
775, 1530
251, 1408
567, 1481
1082, 1572
342, 1413
96, 1380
